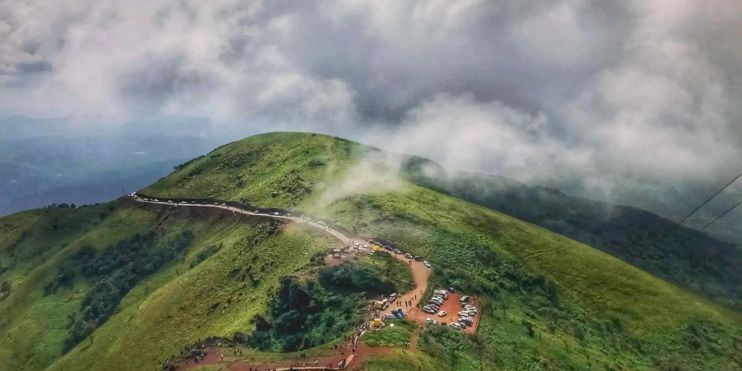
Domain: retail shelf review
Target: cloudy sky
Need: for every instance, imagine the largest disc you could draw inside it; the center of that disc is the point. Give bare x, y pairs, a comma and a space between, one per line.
637, 102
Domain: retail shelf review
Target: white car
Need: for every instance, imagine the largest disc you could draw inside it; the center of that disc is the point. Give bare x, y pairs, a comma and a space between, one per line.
442, 313
427, 263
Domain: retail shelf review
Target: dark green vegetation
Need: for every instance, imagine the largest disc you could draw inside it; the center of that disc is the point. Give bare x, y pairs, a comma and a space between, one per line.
683, 255
304, 314
549, 302
373, 275
313, 310
114, 271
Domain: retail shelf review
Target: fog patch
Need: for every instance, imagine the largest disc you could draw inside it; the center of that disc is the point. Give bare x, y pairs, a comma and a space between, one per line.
376, 173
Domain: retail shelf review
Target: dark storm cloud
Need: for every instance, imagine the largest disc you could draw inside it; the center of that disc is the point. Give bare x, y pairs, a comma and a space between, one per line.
162, 79
628, 101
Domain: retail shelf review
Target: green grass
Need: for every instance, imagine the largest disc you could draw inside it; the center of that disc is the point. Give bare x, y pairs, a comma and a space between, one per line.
391, 269
173, 306
504, 259
396, 334
548, 302
403, 360
277, 169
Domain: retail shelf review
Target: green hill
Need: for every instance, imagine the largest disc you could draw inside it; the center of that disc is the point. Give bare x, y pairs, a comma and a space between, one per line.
125, 285
685, 256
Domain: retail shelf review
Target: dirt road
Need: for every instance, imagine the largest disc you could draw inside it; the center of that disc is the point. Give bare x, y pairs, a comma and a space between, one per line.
335, 233
420, 273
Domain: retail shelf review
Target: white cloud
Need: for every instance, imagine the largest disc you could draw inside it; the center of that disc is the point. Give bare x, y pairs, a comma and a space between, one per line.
619, 100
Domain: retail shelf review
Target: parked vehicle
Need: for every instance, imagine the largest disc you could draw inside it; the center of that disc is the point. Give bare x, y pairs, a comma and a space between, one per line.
464, 299
393, 296
455, 325
442, 313
408, 255
442, 293
427, 263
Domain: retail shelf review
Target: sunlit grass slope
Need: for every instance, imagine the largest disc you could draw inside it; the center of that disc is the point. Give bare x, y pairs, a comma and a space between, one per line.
173, 307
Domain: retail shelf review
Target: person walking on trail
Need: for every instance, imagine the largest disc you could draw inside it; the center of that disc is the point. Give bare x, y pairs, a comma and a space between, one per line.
221, 357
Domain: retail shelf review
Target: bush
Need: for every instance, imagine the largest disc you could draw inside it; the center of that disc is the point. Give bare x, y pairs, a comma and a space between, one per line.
64, 279
114, 271
205, 254
304, 315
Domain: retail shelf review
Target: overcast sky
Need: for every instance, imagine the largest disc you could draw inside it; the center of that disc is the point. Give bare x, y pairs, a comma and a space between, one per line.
637, 102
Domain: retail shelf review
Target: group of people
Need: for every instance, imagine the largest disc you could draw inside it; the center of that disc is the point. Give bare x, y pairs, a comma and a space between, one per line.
407, 303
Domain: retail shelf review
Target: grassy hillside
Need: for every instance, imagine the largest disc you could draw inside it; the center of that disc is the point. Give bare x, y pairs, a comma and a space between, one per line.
683, 255
549, 302
267, 170
170, 308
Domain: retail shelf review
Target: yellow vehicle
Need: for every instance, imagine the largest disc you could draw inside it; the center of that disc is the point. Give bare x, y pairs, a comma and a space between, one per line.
375, 248
377, 323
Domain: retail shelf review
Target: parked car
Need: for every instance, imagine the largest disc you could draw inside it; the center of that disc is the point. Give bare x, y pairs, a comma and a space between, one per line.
393, 296
429, 310
464, 299
442, 293
442, 313
408, 255
427, 263
451, 290
455, 325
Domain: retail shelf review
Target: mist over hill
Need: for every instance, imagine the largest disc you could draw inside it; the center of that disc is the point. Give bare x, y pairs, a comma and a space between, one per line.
80, 284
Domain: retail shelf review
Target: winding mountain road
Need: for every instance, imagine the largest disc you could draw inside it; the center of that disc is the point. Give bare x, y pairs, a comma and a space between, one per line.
419, 271
335, 233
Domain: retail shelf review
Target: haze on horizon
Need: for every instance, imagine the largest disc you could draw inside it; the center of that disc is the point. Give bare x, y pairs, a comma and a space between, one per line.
635, 103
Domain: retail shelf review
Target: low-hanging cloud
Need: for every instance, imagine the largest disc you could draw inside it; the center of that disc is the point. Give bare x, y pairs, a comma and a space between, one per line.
634, 102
